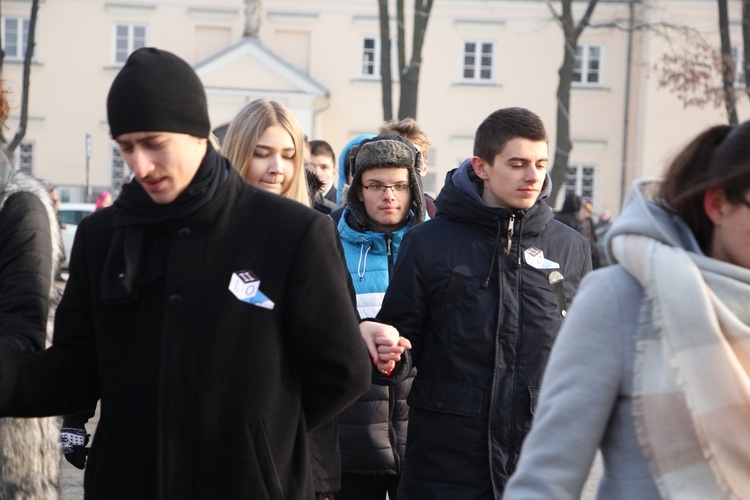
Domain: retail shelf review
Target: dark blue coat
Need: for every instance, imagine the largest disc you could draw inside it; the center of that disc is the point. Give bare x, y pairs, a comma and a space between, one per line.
481, 315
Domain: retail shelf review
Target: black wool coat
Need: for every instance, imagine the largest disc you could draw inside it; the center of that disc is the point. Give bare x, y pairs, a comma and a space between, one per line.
203, 395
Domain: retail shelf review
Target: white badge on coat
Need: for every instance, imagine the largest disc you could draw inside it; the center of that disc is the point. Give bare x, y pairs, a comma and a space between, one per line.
245, 285
535, 258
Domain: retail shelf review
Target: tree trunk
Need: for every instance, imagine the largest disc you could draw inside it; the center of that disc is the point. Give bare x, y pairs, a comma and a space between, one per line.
746, 43
410, 76
385, 61
21, 131
401, 49
562, 140
564, 145
727, 63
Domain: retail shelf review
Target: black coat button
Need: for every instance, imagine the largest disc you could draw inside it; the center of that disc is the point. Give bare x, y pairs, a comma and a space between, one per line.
174, 301
183, 233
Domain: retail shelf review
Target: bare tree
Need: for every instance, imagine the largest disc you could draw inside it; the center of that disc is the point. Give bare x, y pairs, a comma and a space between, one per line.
408, 74
690, 72
21, 131
727, 64
696, 72
385, 60
571, 33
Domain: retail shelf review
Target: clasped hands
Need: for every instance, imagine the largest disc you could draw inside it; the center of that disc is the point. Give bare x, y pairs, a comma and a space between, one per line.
384, 343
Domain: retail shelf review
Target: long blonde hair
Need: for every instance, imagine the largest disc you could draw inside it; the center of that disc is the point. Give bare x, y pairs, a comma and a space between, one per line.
244, 132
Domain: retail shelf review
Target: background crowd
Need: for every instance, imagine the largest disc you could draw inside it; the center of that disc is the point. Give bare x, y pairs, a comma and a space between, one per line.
261, 318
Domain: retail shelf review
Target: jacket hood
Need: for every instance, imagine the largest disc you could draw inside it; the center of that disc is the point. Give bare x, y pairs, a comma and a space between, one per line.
460, 199
641, 215
16, 181
340, 191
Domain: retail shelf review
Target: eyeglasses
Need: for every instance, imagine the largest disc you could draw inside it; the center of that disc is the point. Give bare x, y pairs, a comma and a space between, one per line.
744, 201
396, 188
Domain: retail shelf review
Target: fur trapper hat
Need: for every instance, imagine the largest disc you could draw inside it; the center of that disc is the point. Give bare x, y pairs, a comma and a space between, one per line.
385, 151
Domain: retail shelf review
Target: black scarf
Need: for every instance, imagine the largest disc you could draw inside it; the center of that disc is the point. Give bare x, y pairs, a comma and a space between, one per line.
133, 262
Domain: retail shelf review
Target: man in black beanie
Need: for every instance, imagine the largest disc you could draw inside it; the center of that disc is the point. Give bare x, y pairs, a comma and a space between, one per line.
210, 344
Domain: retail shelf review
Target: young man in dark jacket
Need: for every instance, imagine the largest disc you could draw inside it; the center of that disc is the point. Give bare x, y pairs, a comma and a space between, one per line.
204, 328
479, 293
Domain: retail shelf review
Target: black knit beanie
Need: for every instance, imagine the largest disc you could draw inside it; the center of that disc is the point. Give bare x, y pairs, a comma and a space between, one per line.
156, 91
379, 152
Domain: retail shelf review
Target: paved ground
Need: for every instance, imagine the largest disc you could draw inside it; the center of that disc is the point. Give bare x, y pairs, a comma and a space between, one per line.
589, 490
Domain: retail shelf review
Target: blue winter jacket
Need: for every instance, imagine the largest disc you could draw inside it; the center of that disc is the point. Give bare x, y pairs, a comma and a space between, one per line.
372, 431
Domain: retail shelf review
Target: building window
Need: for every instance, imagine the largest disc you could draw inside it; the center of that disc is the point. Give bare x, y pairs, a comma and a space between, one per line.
580, 180
370, 57
128, 37
15, 37
479, 61
588, 65
738, 59
120, 172
370, 67
24, 156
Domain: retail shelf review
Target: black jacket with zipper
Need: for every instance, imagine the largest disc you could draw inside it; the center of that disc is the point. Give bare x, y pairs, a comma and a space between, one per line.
471, 291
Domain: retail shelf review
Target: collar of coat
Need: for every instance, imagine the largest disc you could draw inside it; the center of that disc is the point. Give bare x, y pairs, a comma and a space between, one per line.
133, 259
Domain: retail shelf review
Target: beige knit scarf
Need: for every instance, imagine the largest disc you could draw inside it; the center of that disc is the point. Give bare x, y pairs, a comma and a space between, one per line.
692, 386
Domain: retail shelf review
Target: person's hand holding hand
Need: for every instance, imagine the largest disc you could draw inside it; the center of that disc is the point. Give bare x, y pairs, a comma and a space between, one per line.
384, 343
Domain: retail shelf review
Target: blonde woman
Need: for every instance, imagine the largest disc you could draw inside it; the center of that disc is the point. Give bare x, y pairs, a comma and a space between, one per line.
265, 144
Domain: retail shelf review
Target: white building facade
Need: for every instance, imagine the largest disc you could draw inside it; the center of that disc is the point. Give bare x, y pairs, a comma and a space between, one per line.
321, 59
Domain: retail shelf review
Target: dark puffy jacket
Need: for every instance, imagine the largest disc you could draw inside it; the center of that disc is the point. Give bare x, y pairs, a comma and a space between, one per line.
372, 431
471, 291
29, 251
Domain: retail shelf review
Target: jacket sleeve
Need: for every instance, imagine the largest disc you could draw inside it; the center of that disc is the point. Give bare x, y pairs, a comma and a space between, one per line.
580, 388
63, 378
324, 330
25, 273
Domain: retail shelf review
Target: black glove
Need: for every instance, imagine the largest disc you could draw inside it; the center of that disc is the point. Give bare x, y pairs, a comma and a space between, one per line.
74, 440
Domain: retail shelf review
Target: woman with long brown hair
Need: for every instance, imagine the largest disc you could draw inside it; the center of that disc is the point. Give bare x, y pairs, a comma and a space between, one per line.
652, 364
